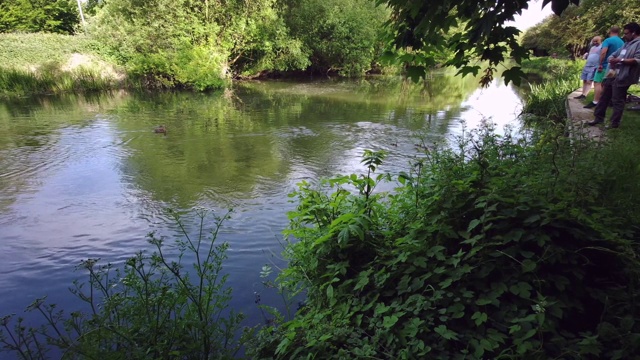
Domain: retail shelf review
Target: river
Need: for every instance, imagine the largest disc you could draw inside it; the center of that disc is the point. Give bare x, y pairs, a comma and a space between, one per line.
85, 176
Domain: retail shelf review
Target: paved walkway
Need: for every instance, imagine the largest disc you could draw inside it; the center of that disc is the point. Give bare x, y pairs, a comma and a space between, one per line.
578, 116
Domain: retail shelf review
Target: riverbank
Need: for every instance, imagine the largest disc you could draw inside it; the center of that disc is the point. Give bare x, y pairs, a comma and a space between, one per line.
512, 249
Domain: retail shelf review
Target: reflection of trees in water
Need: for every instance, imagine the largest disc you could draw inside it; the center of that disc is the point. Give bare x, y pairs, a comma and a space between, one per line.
234, 145
212, 149
223, 146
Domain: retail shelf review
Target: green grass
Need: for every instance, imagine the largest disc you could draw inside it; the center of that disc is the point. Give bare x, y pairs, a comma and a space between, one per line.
547, 100
548, 69
557, 78
24, 50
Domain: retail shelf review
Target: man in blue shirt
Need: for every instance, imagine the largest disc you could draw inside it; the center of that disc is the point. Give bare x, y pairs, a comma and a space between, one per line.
609, 46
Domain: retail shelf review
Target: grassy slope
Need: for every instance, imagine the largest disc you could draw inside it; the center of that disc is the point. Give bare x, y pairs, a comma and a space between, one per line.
24, 50
53, 63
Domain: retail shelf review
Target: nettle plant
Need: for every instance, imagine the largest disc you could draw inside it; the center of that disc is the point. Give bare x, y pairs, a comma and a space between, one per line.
485, 251
150, 308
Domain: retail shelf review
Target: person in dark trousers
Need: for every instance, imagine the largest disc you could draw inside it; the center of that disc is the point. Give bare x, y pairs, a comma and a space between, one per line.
624, 70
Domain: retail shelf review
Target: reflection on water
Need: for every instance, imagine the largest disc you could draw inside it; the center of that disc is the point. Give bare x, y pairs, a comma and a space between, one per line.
86, 176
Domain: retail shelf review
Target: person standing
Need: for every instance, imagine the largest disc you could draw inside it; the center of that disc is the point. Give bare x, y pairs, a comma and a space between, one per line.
609, 46
624, 70
589, 70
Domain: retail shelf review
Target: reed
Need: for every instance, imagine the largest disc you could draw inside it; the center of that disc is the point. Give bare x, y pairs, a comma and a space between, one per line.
18, 82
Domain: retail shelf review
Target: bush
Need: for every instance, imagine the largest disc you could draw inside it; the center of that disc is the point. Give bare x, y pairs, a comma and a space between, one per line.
57, 16
496, 249
151, 308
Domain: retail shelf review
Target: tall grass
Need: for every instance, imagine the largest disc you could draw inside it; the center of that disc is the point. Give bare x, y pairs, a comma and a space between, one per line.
17, 82
547, 100
558, 78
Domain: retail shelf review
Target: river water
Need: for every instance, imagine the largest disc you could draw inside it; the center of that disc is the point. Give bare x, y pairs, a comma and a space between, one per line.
85, 176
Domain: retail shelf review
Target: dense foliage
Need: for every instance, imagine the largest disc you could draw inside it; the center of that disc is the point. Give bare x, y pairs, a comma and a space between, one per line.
344, 36
511, 247
571, 32
57, 16
202, 44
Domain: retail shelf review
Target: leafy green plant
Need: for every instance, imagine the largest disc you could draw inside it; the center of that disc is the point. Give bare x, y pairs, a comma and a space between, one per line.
150, 308
488, 250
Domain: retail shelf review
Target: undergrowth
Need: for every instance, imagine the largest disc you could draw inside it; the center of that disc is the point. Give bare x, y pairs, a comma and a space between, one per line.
506, 247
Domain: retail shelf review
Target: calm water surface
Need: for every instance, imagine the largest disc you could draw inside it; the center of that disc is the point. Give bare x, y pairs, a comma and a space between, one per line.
86, 177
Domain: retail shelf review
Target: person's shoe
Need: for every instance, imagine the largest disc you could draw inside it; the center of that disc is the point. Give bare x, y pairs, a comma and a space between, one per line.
612, 126
594, 122
590, 105
580, 97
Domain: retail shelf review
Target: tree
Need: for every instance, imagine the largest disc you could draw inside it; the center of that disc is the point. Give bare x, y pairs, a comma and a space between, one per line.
573, 30
57, 16
420, 25
343, 36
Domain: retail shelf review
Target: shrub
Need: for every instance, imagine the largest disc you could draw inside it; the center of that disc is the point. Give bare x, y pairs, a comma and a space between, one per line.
495, 250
